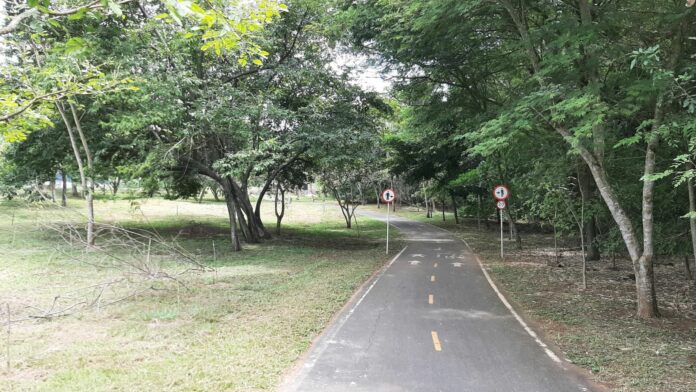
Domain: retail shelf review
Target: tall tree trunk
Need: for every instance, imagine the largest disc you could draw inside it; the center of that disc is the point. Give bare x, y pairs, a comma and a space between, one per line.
692, 222
115, 185
520, 23
75, 192
513, 227
647, 298
247, 231
232, 214
642, 258
52, 186
252, 228
64, 195
86, 187
454, 207
89, 192
442, 202
585, 184
478, 212
687, 268
279, 214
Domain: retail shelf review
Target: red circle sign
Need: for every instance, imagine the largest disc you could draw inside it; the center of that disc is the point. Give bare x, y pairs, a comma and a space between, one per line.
501, 204
501, 192
388, 196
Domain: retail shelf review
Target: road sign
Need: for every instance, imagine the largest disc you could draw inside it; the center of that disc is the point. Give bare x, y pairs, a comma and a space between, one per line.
501, 204
388, 196
501, 192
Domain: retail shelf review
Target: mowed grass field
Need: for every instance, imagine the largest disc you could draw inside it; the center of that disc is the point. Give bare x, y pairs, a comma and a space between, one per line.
595, 328
237, 328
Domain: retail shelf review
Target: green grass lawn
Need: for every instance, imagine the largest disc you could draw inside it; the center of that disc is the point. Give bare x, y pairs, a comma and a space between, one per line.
595, 328
238, 328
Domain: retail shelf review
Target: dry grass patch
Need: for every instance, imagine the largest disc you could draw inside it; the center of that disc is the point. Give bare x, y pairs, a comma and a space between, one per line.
236, 329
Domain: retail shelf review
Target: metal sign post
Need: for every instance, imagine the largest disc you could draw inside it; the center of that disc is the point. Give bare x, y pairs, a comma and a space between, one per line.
388, 196
501, 193
388, 209
502, 254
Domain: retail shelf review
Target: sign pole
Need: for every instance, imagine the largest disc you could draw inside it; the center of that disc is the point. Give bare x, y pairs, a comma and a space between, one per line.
388, 196
502, 256
388, 208
501, 193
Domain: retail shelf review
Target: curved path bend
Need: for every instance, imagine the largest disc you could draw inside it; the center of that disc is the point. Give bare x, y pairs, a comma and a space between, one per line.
431, 320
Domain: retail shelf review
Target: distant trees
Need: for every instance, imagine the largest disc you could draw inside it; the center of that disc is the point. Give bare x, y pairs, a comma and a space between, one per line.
238, 106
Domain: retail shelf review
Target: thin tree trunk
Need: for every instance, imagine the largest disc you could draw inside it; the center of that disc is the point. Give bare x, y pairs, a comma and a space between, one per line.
687, 268
64, 195
585, 186
279, 214
555, 235
442, 202
478, 212
692, 223
53, 188
115, 185
523, 31
202, 194
454, 207
232, 214
345, 208
83, 175
582, 244
89, 190
513, 228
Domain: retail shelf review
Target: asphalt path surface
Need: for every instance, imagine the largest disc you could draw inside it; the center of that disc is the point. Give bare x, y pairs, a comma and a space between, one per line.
431, 321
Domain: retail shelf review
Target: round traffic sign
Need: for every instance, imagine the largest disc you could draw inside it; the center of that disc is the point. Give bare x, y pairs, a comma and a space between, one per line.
501, 204
501, 192
388, 196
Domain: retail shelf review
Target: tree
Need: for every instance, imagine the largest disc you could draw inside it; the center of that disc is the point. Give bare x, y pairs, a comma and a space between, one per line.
509, 71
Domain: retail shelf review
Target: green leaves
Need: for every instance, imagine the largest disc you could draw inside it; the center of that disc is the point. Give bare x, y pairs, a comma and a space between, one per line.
629, 141
74, 45
227, 27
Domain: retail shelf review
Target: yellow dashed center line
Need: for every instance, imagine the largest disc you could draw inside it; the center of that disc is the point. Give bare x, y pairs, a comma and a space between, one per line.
436, 341
431, 299
432, 278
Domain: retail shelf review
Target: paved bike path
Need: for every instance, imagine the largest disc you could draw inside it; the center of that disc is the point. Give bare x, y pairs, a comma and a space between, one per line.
431, 321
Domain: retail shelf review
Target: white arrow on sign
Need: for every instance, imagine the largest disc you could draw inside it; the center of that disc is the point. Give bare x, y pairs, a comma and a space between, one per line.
414, 262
